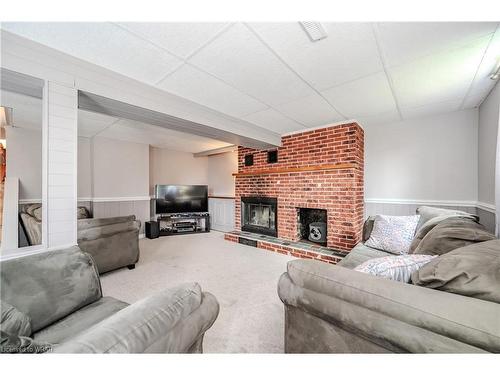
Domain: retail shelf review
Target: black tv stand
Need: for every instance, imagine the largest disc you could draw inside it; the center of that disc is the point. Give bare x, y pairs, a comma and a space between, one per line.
184, 223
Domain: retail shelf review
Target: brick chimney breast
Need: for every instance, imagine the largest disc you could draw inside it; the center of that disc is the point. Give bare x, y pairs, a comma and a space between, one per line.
317, 169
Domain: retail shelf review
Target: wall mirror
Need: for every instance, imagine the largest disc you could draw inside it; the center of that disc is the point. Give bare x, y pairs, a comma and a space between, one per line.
21, 139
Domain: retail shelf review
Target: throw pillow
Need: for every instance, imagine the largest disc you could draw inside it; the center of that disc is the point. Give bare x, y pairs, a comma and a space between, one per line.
13, 321
398, 268
430, 224
393, 233
368, 227
451, 234
472, 271
426, 213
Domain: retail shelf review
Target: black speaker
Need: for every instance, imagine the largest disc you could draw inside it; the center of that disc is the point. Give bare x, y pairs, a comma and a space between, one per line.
152, 229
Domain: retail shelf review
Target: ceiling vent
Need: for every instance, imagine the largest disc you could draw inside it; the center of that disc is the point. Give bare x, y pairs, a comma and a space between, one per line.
314, 30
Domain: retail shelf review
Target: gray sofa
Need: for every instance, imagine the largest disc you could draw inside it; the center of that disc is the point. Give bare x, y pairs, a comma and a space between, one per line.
334, 309
61, 294
113, 242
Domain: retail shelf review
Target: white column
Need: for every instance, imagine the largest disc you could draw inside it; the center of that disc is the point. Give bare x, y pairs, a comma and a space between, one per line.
62, 165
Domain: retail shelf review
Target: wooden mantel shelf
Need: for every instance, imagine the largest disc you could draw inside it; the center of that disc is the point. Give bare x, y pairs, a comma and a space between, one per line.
323, 167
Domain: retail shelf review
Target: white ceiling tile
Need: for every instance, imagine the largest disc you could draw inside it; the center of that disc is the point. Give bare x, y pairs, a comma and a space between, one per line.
403, 42
482, 84
274, 121
91, 123
310, 111
438, 78
363, 97
380, 119
431, 109
180, 38
200, 87
348, 52
241, 60
103, 44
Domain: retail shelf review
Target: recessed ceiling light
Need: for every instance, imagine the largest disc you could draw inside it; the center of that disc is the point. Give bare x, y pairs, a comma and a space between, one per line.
314, 30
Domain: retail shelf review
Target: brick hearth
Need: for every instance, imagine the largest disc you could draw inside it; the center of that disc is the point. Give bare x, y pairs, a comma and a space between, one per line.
320, 169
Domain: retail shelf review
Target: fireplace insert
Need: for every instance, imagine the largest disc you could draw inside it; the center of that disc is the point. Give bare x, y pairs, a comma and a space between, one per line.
259, 215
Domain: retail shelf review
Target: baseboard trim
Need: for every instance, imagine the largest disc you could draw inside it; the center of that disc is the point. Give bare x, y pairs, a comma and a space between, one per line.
484, 206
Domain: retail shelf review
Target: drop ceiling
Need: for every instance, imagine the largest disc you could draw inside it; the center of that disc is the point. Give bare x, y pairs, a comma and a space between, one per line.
272, 75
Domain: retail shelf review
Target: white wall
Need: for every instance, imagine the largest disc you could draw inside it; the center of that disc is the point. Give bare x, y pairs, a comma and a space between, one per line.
220, 170
24, 160
175, 167
488, 129
121, 169
434, 158
84, 168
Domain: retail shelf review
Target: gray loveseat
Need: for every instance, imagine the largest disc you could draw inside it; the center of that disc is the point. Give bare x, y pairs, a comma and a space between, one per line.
61, 294
334, 309
113, 242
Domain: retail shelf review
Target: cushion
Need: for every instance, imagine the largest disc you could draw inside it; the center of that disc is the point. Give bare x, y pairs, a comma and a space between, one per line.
426, 213
33, 228
472, 271
14, 322
359, 254
396, 267
50, 285
452, 233
368, 227
37, 213
430, 224
80, 320
31, 208
393, 233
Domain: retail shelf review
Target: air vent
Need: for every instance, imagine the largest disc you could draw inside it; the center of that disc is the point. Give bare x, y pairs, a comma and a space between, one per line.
314, 30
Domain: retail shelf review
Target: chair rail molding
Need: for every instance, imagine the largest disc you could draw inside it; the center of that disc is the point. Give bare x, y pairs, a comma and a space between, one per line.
428, 202
114, 199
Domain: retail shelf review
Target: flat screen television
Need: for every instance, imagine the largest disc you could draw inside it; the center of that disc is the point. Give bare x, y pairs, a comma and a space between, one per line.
175, 199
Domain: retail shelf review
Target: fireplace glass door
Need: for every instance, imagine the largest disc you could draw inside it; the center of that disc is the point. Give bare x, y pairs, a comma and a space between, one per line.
259, 215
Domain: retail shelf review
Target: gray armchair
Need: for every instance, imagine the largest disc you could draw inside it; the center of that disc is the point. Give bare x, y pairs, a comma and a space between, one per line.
61, 294
113, 242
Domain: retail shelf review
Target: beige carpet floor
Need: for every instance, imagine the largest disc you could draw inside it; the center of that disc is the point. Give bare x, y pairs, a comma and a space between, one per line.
244, 280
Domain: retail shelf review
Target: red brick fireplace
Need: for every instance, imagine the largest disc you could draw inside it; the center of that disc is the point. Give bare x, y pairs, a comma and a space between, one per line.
318, 169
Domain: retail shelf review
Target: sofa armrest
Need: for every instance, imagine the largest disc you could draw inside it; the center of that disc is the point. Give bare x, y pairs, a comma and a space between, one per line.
108, 230
408, 317
172, 321
99, 222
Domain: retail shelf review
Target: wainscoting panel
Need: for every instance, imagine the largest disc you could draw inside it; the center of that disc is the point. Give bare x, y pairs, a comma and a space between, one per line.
139, 208
221, 214
486, 217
